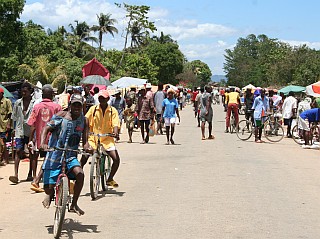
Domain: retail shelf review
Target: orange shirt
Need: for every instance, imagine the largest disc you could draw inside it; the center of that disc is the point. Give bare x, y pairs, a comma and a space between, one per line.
102, 124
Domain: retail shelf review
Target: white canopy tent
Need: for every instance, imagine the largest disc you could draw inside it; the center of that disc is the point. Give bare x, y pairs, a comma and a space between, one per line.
125, 82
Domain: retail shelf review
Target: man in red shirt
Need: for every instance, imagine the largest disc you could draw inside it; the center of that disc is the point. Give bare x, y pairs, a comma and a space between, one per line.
39, 117
193, 99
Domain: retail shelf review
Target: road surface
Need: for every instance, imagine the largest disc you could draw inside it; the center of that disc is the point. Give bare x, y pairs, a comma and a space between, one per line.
222, 188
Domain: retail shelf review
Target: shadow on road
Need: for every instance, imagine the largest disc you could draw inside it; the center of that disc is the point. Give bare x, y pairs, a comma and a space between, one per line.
70, 227
105, 193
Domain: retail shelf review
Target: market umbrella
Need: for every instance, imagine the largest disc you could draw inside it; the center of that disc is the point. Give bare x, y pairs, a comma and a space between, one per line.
293, 88
95, 80
125, 82
313, 89
7, 93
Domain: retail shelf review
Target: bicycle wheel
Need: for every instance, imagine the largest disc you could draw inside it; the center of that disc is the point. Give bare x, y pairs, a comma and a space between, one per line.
273, 131
315, 134
106, 172
95, 176
244, 131
232, 123
61, 205
296, 135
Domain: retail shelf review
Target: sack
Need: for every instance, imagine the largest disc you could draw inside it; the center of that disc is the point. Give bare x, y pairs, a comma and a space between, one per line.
152, 130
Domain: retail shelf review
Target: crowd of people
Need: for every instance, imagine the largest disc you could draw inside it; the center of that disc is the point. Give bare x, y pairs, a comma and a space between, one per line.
66, 120
257, 104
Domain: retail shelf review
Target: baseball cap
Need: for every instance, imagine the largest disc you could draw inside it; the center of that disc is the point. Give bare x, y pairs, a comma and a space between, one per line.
103, 93
148, 85
1, 90
75, 98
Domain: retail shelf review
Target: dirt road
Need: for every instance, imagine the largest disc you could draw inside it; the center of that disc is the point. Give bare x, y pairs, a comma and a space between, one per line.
222, 188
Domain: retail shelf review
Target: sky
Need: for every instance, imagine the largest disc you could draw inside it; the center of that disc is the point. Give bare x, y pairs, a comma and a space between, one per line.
204, 29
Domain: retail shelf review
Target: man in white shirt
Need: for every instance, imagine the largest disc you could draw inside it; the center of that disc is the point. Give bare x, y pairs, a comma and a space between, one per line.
159, 96
289, 110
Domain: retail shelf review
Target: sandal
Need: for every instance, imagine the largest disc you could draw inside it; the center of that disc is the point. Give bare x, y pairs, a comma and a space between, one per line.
37, 190
211, 137
14, 179
113, 184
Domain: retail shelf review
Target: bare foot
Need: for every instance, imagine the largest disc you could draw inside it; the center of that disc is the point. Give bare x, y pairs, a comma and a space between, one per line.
46, 201
76, 209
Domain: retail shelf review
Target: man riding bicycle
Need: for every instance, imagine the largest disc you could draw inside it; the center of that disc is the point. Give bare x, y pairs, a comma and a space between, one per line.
232, 101
66, 128
103, 119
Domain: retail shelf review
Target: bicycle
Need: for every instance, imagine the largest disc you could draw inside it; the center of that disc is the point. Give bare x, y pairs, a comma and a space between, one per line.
245, 127
314, 134
100, 167
233, 125
62, 196
272, 129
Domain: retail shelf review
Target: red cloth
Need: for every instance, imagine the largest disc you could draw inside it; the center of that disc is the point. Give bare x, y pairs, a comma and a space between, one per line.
194, 95
94, 67
234, 108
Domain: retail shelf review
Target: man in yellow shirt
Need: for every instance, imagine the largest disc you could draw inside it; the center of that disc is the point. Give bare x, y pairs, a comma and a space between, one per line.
232, 101
104, 119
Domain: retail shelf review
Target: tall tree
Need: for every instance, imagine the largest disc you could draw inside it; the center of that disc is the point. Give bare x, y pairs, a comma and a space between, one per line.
168, 58
106, 25
137, 23
78, 37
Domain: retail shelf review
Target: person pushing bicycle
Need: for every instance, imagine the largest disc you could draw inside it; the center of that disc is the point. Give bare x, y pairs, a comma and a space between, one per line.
103, 119
66, 128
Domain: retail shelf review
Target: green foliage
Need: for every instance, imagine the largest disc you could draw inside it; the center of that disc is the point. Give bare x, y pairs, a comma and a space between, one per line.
267, 62
57, 56
168, 58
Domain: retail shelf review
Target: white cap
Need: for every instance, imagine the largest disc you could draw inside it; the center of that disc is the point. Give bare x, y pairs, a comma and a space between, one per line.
148, 85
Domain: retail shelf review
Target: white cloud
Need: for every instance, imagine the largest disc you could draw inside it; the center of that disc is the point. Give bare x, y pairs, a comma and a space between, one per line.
313, 45
191, 29
52, 14
62, 12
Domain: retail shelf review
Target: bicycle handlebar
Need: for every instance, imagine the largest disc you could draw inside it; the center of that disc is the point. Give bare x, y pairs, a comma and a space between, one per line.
69, 150
103, 135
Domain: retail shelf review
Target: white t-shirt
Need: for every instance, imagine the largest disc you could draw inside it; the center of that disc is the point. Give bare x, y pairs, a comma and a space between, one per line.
288, 105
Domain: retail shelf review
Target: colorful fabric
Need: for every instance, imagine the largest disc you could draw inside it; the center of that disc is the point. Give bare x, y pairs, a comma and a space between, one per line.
65, 133
5, 110
170, 108
129, 113
144, 108
102, 123
40, 116
51, 176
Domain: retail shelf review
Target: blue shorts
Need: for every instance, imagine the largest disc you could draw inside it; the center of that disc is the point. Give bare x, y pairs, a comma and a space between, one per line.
50, 176
20, 142
3, 135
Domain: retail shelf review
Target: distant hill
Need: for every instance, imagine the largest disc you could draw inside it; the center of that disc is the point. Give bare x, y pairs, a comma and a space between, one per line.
218, 78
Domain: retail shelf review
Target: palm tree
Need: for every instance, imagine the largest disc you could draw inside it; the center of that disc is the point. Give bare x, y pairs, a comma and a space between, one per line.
105, 26
44, 71
77, 38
